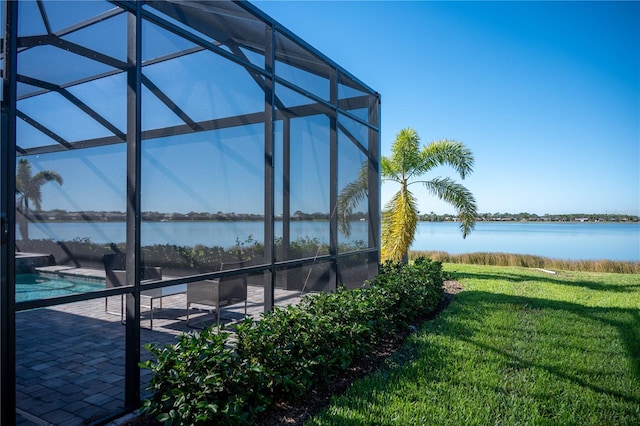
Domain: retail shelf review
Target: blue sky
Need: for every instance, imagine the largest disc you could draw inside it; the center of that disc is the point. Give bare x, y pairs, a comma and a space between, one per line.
546, 94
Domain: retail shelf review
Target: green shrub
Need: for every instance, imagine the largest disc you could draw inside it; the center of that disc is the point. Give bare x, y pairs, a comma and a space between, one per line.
201, 378
211, 377
409, 291
305, 344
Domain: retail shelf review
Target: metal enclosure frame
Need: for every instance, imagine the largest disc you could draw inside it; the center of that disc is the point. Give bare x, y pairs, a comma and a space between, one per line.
217, 28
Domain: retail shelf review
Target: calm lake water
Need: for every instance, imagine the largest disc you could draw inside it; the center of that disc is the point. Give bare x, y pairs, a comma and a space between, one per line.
586, 241
575, 241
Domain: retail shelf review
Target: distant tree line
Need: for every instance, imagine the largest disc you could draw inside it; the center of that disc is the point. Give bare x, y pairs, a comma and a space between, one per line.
532, 217
116, 216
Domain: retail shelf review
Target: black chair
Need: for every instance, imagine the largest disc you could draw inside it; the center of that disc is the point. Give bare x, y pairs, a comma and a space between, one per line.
116, 276
220, 292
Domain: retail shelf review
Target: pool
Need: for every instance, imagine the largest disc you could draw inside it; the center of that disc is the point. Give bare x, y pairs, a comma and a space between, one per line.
37, 286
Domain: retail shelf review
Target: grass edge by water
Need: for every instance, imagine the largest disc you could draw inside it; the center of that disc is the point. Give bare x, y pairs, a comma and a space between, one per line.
531, 261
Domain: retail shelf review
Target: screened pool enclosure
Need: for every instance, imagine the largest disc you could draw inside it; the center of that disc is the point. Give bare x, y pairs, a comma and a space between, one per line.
149, 147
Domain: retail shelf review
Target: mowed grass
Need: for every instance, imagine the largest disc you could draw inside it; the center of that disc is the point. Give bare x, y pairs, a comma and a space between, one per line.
518, 346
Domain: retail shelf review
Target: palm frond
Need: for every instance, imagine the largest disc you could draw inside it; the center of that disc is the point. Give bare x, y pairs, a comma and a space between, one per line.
45, 176
459, 197
23, 176
447, 152
388, 171
350, 196
399, 223
405, 152
30, 186
37, 181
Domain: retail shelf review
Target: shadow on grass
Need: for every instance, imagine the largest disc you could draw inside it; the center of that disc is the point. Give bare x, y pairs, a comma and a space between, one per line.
528, 276
628, 329
431, 364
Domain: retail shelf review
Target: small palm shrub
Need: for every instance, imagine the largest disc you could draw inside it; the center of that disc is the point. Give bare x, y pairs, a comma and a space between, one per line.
213, 377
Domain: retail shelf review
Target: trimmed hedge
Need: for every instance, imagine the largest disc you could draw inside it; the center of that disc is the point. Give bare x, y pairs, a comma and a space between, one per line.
213, 377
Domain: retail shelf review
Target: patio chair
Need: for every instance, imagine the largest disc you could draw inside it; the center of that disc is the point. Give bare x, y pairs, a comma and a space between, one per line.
220, 292
116, 276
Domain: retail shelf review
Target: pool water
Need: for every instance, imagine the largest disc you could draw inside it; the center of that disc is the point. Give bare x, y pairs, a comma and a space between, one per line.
36, 286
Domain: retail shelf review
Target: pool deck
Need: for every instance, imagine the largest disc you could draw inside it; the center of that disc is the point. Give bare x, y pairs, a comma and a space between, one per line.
72, 271
70, 358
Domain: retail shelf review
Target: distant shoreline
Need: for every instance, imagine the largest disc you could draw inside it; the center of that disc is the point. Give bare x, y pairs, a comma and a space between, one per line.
115, 216
326, 220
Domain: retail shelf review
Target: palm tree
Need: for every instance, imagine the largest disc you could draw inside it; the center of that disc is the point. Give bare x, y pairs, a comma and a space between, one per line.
350, 197
408, 161
29, 188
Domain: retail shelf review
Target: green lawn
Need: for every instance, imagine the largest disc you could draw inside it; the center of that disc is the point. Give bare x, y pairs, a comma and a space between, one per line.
518, 346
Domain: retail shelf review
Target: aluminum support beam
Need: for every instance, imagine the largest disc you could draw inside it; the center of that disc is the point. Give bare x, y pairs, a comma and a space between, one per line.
374, 184
133, 274
333, 181
269, 173
7, 216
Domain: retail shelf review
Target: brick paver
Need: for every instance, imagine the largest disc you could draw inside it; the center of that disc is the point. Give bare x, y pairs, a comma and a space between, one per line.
70, 358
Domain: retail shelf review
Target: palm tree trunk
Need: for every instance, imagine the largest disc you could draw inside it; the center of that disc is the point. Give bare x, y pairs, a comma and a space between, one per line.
23, 220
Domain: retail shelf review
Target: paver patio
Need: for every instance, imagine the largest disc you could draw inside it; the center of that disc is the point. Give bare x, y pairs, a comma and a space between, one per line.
70, 358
